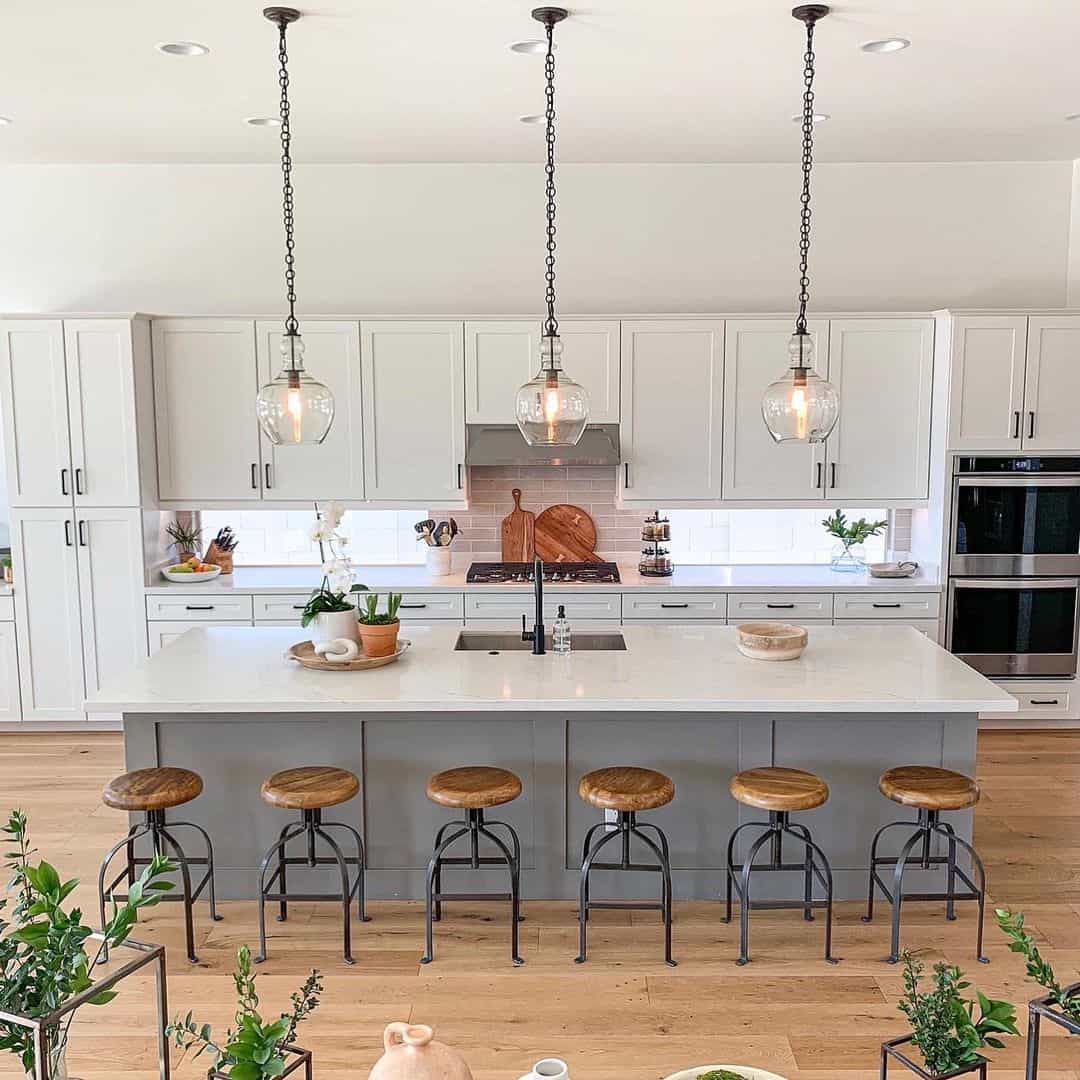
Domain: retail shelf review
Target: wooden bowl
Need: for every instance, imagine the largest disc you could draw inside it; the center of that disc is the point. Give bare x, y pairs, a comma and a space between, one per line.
771, 640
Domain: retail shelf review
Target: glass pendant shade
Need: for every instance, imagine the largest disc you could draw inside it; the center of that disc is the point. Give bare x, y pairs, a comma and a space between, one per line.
551, 409
800, 406
293, 408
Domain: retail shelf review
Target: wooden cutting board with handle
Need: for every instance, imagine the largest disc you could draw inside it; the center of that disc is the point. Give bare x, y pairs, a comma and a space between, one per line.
565, 533
517, 532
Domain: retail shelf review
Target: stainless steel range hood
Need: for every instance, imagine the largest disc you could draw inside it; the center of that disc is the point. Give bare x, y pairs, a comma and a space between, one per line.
503, 444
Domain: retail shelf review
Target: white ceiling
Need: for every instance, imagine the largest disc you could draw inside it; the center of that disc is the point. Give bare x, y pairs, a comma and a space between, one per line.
639, 80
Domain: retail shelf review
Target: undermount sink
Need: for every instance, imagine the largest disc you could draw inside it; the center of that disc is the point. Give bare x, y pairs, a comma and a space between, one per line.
510, 641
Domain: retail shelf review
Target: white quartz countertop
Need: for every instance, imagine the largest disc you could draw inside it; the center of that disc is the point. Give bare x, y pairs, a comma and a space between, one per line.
744, 578
891, 669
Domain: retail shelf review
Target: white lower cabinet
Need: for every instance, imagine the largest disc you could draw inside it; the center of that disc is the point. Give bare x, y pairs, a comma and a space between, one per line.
779, 607
885, 606
160, 634
511, 606
193, 607
10, 698
672, 607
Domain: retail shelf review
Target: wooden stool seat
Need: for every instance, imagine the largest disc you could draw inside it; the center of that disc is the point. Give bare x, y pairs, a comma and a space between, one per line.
626, 788
310, 787
771, 788
473, 787
929, 788
152, 789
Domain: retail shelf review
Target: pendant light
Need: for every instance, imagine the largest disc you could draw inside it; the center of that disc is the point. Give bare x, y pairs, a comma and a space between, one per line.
801, 406
293, 408
551, 409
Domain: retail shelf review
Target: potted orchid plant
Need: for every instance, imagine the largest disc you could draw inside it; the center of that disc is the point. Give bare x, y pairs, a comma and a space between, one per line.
330, 611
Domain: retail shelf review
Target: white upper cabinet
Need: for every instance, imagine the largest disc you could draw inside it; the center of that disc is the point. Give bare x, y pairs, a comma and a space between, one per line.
414, 411
755, 467
987, 392
35, 411
883, 372
205, 382
1052, 388
672, 388
335, 468
502, 355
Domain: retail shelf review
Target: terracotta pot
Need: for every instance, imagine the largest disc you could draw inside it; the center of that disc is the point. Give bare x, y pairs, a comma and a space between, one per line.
379, 640
412, 1054
328, 625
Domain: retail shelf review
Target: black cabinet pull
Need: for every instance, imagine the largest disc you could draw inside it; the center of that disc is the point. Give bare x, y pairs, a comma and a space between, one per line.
63, 482
832, 474
78, 482
299, 607
67, 533
198, 607
82, 533
268, 484
779, 605
1044, 701
460, 477
1016, 424
411, 607
887, 605
674, 605
254, 476
818, 476
1031, 425
626, 474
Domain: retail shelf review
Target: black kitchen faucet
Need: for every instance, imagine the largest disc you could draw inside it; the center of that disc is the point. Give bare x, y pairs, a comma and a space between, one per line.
536, 635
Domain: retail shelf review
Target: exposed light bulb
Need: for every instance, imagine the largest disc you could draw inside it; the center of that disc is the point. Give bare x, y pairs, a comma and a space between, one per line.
798, 407
296, 411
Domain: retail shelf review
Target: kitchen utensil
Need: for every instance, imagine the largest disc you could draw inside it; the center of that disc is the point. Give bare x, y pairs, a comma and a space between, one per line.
424, 529
517, 532
441, 536
454, 530
893, 569
565, 533
188, 579
739, 1070
771, 640
303, 653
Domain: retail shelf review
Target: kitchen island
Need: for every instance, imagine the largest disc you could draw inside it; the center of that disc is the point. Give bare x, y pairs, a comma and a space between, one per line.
225, 702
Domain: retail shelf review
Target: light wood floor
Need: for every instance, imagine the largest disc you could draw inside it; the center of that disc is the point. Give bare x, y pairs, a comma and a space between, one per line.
624, 1015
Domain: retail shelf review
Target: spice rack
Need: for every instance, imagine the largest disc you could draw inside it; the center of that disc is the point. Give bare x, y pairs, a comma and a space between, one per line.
655, 559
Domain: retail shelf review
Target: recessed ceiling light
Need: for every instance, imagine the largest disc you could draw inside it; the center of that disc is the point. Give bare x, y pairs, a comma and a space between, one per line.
532, 118
5, 120
530, 47
182, 48
889, 44
1071, 116
819, 118
263, 121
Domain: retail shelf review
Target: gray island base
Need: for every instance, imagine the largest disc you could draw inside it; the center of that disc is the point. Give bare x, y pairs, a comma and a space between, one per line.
682, 700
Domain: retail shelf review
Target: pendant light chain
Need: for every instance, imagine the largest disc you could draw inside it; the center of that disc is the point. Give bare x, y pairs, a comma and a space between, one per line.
551, 325
292, 328
807, 166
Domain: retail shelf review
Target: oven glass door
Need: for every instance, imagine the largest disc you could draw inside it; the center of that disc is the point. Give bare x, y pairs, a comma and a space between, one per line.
1015, 627
1016, 525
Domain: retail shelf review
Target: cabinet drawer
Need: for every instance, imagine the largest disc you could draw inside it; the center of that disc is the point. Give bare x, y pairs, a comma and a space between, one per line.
669, 607
1035, 704
7, 608
161, 634
782, 607
425, 607
210, 607
579, 606
280, 607
878, 605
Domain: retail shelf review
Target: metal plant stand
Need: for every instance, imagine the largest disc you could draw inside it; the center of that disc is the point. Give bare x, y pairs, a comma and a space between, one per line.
1039, 1009
300, 1059
926, 828
626, 826
42, 1025
474, 826
814, 865
889, 1050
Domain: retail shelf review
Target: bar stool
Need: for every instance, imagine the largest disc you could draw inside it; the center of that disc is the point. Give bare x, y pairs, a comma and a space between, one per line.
474, 789
311, 789
153, 791
780, 791
929, 790
626, 790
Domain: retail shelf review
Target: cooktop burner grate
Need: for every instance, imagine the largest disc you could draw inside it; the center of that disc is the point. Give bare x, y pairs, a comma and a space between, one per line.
512, 573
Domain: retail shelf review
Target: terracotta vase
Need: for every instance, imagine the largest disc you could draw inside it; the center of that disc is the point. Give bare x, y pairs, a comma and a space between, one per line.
380, 639
410, 1053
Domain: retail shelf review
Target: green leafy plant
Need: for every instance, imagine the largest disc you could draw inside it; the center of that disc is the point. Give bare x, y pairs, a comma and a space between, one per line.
944, 1024
326, 599
1038, 969
721, 1074
855, 532
254, 1048
43, 958
184, 537
370, 616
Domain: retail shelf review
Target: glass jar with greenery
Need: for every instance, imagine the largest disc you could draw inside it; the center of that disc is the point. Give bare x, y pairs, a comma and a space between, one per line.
849, 556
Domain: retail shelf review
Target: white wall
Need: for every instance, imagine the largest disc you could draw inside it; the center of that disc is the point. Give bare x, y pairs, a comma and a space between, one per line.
468, 238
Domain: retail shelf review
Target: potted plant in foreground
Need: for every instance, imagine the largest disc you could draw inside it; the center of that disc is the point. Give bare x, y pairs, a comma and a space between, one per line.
848, 555
379, 633
43, 958
948, 1029
329, 611
255, 1048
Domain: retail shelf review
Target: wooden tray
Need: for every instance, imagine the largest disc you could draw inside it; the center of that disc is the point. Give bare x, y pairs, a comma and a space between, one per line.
304, 654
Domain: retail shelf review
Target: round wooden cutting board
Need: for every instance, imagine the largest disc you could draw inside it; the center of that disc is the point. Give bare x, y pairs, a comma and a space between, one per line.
565, 533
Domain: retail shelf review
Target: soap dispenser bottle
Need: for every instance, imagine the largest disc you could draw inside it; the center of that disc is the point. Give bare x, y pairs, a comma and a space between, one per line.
560, 633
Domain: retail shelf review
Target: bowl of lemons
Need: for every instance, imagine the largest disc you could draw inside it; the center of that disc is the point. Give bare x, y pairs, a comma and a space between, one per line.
194, 569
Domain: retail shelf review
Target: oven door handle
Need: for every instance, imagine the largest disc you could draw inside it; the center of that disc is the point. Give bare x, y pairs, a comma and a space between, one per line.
1015, 583
971, 480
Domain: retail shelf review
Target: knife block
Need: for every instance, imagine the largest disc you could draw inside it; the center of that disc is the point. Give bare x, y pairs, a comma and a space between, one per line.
216, 557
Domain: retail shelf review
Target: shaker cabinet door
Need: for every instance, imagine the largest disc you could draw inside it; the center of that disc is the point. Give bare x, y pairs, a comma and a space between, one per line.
499, 357
1053, 384
10, 699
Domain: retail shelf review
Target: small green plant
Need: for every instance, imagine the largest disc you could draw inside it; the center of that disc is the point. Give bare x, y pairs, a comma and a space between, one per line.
944, 1024
184, 537
721, 1074
1038, 969
370, 617
326, 599
855, 532
43, 959
254, 1048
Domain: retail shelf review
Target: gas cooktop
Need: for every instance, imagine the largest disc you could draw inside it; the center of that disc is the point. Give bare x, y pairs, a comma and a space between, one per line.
508, 573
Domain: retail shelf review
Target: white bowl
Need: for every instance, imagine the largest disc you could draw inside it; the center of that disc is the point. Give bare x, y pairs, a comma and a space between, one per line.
186, 579
743, 1070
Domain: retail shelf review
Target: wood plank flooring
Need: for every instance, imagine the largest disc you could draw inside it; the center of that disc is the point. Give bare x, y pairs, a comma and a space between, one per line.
622, 1016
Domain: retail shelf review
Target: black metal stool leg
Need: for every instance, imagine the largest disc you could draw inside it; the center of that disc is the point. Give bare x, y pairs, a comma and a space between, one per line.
136, 832
437, 916
898, 893
1034, 1022
950, 903
812, 851
346, 892
516, 844
515, 889
361, 865
730, 875
744, 897
209, 862
158, 829
583, 909
433, 871
661, 853
290, 832
869, 916
589, 834
802, 833
977, 864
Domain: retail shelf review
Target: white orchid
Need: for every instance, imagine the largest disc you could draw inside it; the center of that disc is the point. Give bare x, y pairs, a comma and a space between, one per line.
337, 569
333, 513
321, 532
